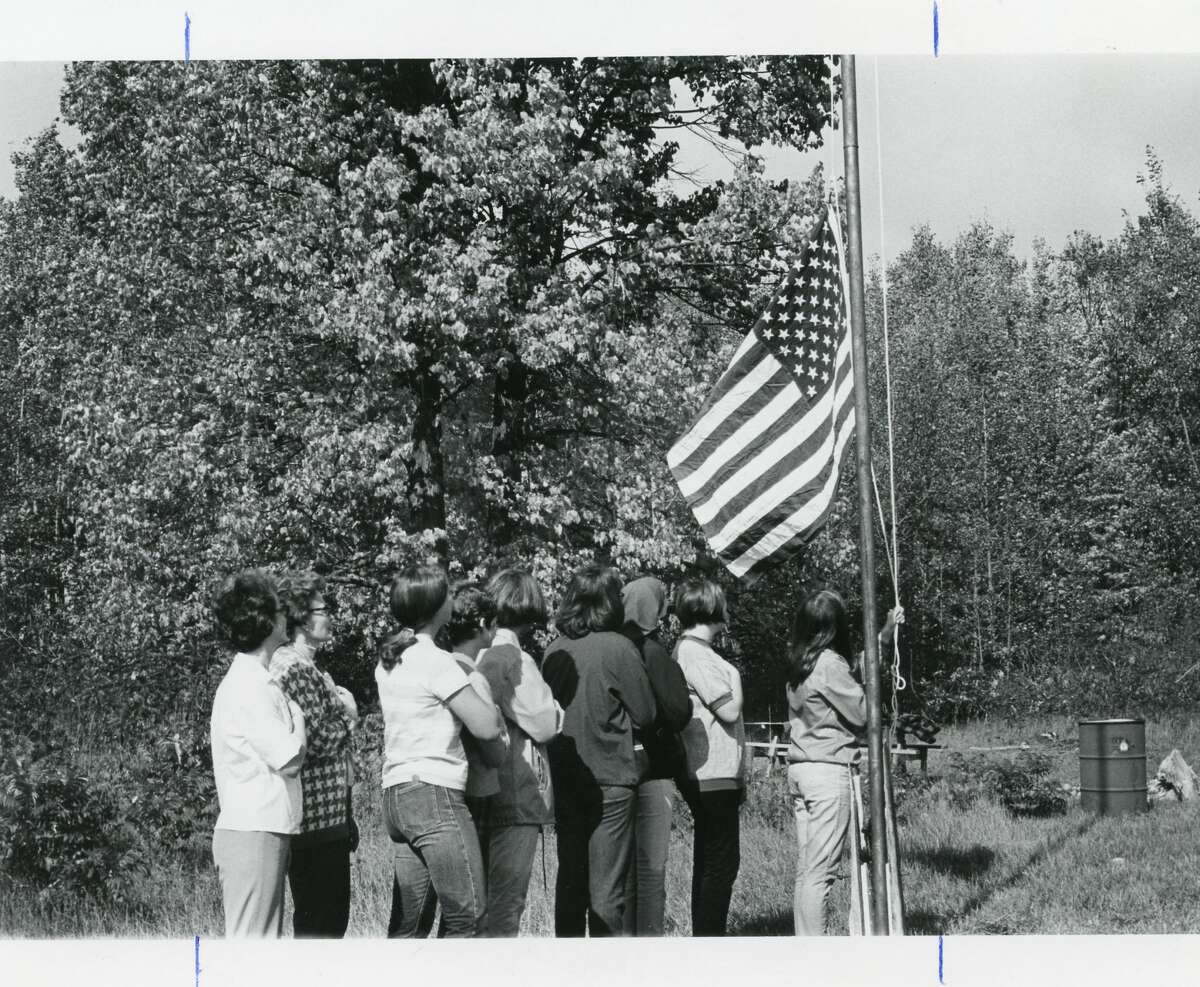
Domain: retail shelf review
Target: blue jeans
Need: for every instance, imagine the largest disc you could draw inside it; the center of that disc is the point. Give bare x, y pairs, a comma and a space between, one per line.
595, 849
821, 802
508, 853
437, 860
646, 884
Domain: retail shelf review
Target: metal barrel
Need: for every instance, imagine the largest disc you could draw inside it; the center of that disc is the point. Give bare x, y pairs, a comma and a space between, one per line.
1112, 766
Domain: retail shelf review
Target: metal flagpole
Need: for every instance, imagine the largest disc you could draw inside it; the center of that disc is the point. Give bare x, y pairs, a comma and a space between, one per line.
875, 752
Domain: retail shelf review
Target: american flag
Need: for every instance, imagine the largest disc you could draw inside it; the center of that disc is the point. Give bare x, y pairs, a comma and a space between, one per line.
759, 465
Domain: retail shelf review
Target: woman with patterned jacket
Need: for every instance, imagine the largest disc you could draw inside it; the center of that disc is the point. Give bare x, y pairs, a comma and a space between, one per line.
319, 871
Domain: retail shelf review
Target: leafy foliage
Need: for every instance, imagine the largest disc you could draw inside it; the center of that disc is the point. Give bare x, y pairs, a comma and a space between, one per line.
62, 832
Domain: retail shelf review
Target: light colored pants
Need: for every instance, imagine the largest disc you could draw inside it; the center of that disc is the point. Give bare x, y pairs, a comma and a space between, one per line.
508, 853
251, 867
646, 881
821, 803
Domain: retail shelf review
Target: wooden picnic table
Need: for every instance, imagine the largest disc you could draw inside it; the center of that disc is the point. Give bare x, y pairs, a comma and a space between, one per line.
775, 747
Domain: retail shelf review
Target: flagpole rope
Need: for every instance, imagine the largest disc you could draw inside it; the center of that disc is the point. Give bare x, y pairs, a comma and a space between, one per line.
831, 146
898, 682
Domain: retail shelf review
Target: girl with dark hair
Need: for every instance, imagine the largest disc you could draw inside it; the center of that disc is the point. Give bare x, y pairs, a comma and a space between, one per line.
661, 755
524, 802
319, 872
258, 745
426, 700
596, 675
470, 629
714, 743
828, 713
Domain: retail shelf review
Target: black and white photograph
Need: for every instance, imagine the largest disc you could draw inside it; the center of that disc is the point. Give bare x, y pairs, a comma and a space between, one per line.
511, 490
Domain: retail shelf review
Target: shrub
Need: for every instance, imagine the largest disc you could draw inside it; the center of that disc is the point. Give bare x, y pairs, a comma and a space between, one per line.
61, 831
1019, 784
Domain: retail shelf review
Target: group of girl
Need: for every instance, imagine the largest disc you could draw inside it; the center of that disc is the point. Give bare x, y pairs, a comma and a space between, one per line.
483, 748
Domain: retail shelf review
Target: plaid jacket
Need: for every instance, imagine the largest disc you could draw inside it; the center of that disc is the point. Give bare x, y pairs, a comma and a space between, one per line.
324, 775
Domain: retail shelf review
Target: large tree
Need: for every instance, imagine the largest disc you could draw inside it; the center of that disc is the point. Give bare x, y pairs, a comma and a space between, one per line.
344, 315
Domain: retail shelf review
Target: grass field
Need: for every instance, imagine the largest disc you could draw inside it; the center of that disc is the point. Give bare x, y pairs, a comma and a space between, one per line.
968, 868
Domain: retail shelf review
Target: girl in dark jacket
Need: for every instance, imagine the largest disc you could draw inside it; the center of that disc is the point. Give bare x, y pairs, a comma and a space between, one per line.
660, 755
596, 675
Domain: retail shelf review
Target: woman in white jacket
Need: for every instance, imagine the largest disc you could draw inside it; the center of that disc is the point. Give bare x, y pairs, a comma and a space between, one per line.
258, 747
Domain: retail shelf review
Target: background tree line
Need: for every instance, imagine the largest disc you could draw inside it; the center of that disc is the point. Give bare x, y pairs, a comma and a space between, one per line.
346, 315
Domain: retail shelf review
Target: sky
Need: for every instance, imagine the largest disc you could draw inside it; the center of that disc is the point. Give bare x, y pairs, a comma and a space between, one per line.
1039, 145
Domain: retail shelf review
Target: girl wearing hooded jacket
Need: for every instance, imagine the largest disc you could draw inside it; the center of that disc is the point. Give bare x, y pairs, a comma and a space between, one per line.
660, 754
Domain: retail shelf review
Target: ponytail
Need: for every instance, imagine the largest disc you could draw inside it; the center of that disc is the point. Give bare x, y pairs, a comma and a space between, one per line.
418, 593
392, 650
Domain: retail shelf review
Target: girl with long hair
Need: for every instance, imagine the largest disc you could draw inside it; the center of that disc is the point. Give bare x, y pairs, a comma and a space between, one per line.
426, 700
828, 713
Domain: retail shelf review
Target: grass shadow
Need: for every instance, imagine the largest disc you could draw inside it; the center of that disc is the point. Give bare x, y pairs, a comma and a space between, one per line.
964, 863
922, 922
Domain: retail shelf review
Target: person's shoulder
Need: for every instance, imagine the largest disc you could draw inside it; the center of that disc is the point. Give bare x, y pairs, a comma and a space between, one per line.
692, 649
654, 650
830, 662
503, 654
287, 661
616, 644
426, 652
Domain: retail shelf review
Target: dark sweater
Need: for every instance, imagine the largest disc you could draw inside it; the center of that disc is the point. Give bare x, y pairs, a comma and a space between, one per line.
664, 749
600, 683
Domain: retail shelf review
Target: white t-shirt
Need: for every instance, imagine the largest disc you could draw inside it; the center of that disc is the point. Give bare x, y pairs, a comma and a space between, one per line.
421, 740
253, 736
715, 750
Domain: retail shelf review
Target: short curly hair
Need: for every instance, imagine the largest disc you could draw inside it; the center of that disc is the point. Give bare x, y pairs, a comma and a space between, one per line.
473, 606
246, 607
297, 590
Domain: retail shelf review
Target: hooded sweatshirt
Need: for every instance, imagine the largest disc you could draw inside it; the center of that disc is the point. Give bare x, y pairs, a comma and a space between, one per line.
645, 602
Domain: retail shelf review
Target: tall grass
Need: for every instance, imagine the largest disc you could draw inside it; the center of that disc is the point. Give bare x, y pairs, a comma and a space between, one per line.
967, 868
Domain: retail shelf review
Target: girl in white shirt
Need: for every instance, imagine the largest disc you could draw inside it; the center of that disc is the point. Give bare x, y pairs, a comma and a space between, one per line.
426, 700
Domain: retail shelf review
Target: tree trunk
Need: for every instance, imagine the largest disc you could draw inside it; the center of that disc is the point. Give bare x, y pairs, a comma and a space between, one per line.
508, 439
426, 488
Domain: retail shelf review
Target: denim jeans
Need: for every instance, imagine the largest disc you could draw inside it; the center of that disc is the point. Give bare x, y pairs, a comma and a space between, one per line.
646, 883
594, 829
821, 802
716, 855
508, 853
437, 861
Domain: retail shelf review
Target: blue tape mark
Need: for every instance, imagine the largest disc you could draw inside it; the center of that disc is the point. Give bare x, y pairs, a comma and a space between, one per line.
197, 961
187, 57
935, 29
941, 954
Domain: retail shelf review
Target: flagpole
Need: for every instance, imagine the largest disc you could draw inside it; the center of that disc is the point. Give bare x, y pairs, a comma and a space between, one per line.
858, 336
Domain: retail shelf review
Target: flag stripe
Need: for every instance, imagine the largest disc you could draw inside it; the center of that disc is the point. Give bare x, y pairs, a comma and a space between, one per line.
775, 455
799, 473
718, 452
734, 448
805, 522
737, 391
